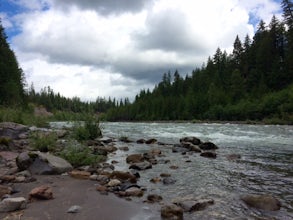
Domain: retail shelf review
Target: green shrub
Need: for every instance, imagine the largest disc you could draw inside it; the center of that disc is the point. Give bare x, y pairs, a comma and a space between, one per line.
78, 155
88, 130
44, 141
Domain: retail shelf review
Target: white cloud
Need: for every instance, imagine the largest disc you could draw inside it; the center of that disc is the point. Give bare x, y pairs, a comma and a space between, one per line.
81, 51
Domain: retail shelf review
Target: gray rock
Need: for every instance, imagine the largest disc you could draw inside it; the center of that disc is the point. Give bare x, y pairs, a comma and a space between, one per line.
45, 163
12, 204
12, 130
169, 181
23, 161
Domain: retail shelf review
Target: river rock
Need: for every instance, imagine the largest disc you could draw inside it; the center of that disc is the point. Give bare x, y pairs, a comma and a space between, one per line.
123, 176
113, 183
105, 140
12, 204
140, 141
12, 130
193, 140
134, 191
209, 154
135, 158
168, 181
42, 192
208, 146
156, 180
151, 141
264, 202
178, 148
152, 198
80, 174
195, 205
141, 166
23, 161
172, 211
46, 163
5, 190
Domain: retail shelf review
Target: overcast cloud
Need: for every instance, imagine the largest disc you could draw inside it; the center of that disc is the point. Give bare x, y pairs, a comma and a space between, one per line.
116, 48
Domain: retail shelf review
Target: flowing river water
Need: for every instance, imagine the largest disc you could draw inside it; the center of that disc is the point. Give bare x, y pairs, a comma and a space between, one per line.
265, 166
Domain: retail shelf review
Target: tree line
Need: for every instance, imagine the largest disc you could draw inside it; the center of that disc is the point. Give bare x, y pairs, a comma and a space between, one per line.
253, 82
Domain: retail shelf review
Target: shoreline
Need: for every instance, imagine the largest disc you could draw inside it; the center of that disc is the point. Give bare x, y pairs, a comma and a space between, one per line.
67, 192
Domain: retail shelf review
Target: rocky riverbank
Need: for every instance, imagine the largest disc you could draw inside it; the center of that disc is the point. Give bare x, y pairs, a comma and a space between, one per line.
32, 181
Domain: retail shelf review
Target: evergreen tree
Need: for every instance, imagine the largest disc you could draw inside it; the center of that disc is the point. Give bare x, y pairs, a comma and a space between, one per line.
11, 76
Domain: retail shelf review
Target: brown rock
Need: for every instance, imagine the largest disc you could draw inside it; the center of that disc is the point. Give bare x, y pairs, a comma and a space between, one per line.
123, 176
152, 198
42, 192
156, 180
8, 178
172, 212
173, 167
135, 158
151, 141
4, 190
102, 189
79, 174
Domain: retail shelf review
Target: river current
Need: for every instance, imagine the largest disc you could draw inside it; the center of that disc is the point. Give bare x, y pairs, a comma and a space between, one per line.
265, 166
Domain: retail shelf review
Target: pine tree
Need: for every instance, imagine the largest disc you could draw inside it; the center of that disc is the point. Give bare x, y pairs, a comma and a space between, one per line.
11, 76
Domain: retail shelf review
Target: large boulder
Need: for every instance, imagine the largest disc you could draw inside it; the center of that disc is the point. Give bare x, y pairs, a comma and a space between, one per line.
46, 163
12, 130
264, 202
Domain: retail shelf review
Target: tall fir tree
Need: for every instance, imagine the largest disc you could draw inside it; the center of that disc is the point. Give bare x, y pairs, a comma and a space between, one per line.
11, 76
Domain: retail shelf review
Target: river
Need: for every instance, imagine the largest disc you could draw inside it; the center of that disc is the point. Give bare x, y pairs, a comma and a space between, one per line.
265, 167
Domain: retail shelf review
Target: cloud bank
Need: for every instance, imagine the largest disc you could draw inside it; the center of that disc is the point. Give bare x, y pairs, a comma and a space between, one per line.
116, 48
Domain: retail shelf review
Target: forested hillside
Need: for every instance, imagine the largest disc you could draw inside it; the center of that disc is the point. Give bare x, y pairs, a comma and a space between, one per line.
254, 82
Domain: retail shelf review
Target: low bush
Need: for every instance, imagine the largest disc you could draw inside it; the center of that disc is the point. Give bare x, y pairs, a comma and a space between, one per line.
44, 142
79, 155
87, 130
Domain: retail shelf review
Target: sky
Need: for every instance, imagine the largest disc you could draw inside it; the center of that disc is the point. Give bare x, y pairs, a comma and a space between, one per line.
115, 48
